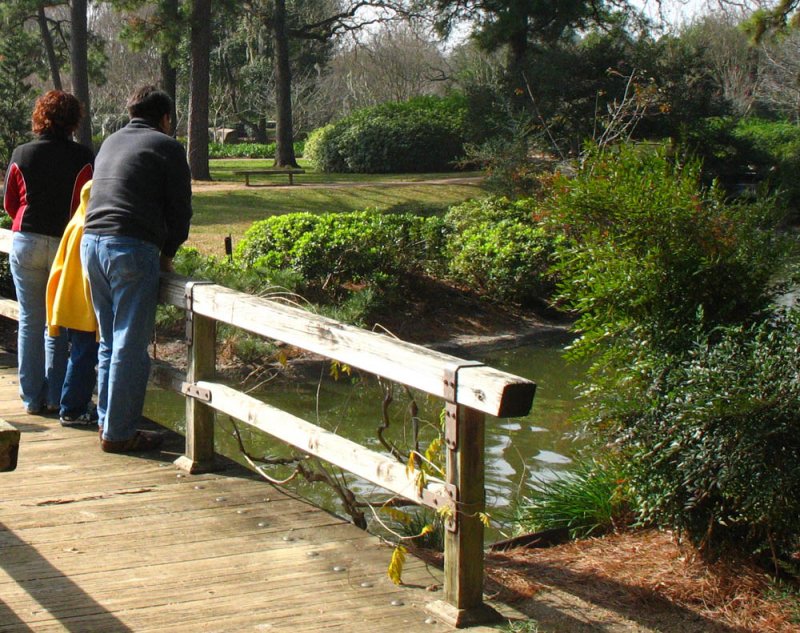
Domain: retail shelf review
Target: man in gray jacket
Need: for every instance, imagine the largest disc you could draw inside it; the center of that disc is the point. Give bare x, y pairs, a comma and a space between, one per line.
138, 216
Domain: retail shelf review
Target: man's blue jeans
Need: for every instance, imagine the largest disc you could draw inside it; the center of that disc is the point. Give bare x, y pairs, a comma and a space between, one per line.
123, 274
42, 358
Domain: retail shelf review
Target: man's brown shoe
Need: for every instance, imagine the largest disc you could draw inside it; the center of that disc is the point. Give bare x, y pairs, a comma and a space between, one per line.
141, 441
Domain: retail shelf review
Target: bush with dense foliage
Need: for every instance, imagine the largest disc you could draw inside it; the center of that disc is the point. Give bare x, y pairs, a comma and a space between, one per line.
497, 248
649, 248
743, 153
673, 288
248, 150
423, 134
336, 252
714, 450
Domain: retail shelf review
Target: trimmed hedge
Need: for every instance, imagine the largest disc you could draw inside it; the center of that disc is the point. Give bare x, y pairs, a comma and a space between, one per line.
248, 150
498, 249
424, 134
332, 252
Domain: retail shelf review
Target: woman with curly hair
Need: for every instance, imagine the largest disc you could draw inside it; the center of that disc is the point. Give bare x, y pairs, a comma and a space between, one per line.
42, 190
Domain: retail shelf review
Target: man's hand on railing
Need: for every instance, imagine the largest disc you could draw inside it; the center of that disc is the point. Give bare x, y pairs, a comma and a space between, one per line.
166, 264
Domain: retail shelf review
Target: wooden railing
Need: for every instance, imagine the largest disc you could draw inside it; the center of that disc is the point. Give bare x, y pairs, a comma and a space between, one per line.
470, 390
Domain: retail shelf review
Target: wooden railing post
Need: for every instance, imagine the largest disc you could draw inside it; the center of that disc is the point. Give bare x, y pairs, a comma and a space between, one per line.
201, 333
463, 542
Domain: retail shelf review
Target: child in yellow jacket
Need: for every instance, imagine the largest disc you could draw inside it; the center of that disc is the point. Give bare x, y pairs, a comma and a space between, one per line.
69, 305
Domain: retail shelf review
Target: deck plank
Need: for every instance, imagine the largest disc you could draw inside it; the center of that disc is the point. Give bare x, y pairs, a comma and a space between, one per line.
119, 543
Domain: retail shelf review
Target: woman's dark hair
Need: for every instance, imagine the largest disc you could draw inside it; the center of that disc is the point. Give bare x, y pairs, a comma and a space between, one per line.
148, 102
56, 112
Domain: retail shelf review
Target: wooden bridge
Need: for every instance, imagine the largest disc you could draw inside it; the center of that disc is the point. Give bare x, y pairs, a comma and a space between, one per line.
168, 540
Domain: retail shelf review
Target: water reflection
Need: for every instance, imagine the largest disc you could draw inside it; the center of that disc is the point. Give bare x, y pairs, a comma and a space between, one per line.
519, 451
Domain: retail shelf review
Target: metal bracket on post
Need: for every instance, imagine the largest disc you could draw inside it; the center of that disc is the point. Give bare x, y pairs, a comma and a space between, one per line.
192, 390
447, 496
451, 406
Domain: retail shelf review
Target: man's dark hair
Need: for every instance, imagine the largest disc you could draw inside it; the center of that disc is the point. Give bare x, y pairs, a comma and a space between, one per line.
148, 102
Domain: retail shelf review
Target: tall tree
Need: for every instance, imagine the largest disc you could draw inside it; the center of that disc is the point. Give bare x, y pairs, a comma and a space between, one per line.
53, 31
284, 141
79, 58
516, 25
318, 21
169, 73
50, 52
199, 89
17, 63
163, 25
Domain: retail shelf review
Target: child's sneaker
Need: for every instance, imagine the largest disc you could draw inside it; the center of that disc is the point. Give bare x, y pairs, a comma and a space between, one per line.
84, 419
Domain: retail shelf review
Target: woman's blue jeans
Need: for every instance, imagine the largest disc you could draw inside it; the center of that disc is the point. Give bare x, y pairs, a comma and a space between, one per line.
123, 274
42, 359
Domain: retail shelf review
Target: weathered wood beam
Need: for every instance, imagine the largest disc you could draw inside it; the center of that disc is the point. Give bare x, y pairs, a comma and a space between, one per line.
313, 440
9, 309
9, 446
479, 387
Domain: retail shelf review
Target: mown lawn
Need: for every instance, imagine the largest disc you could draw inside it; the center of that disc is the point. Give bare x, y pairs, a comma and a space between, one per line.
230, 211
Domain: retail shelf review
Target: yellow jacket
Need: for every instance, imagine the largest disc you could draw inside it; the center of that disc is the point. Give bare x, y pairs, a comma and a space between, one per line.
69, 300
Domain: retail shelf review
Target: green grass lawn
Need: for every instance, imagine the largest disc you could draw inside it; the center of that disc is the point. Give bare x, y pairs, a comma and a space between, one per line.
219, 213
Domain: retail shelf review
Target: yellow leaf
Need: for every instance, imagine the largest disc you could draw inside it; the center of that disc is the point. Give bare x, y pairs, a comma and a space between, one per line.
421, 482
395, 571
484, 518
397, 515
282, 359
426, 530
432, 453
411, 466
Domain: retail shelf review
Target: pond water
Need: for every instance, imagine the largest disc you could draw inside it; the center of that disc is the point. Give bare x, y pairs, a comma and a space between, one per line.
519, 451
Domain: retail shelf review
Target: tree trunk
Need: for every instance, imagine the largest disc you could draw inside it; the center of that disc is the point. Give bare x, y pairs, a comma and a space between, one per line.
80, 68
198, 99
284, 140
47, 40
169, 84
169, 73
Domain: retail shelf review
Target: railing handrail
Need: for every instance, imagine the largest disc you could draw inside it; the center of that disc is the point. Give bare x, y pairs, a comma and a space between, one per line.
470, 390
479, 387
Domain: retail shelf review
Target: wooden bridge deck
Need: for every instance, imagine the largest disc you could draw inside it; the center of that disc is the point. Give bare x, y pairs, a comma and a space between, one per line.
113, 543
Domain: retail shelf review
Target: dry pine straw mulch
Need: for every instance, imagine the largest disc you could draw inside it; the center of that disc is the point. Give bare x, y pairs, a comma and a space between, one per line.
630, 571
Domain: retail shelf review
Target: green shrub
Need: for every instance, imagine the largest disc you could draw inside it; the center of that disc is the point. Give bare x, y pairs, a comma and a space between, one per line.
321, 150
742, 153
253, 280
335, 252
248, 150
774, 155
648, 247
715, 449
693, 382
496, 248
6, 281
420, 135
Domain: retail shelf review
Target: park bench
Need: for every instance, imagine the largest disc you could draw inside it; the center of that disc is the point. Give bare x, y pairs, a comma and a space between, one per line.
268, 172
9, 446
